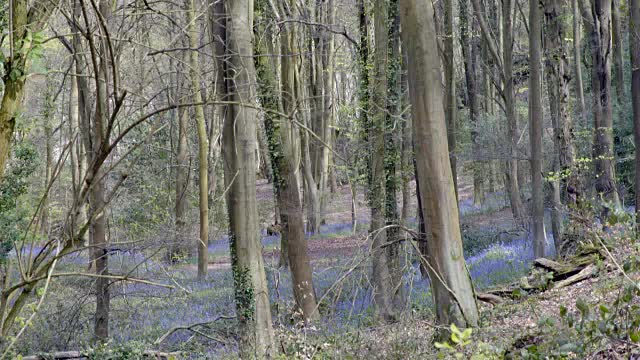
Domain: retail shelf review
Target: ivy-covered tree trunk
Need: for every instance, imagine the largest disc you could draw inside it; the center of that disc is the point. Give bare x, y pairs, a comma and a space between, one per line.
26, 22
377, 200
239, 153
284, 152
392, 154
451, 284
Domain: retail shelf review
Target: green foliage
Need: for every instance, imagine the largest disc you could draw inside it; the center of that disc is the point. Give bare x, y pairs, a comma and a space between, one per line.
460, 346
13, 186
113, 351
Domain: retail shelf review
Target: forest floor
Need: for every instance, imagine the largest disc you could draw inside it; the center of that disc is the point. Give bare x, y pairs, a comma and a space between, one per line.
497, 254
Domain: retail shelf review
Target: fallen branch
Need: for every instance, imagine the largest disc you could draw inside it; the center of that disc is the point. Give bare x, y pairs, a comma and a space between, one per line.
78, 355
193, 330
489, 298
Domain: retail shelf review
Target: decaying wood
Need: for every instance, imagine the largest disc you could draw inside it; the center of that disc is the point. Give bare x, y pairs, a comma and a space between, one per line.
489, 298
584, 274
575, 269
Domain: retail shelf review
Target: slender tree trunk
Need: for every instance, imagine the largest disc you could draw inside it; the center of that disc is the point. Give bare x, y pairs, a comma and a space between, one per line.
182, 184
450, 88
381, 275
392, 154
203, 146
535, 126
557, 73
282, 141
513, 187
239, 151
577, 59
634, 41
469, 55
618, 48
603, 155
451, 284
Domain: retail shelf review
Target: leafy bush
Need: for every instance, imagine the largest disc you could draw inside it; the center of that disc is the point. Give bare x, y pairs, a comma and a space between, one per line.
13, 216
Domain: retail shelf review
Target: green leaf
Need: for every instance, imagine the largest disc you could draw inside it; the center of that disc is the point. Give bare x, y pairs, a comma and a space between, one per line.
634, 336
563, 311
444, 345
466, 333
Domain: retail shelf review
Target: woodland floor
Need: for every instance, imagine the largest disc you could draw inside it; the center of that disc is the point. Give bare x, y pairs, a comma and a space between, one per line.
496, 253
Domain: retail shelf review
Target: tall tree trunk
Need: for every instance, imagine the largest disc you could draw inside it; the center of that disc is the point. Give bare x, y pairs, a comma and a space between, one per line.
558, 84
381, 275
239, 152
603, 155
634, 48
618, 48
203, 145
97, 202
450, 89
577, 60
182, 183
513, 187
392, 153
469, 55
284, 151
535, 126
451, 284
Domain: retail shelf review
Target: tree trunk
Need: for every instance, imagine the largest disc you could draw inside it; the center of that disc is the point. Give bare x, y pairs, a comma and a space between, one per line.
558, 85
451, 284
577, 60
203, 146
513, 187
450, 89
284, 151
392, 154
239, 151
178, 249
634, 41
535, 126
603, 155
618, 48
469, 56
381, 275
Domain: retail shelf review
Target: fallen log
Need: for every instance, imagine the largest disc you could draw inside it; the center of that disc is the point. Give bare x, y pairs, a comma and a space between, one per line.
489, 298
78, 355
584, 274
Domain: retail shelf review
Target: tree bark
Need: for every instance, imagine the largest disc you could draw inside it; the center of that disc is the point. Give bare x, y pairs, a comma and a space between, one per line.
618, 48
25, 21
284, 150
450, 89
634, 41
203, 146
392, 154
535, 126
577, 60
470, 54
239, 152
451, 284
377, 197
603, 155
